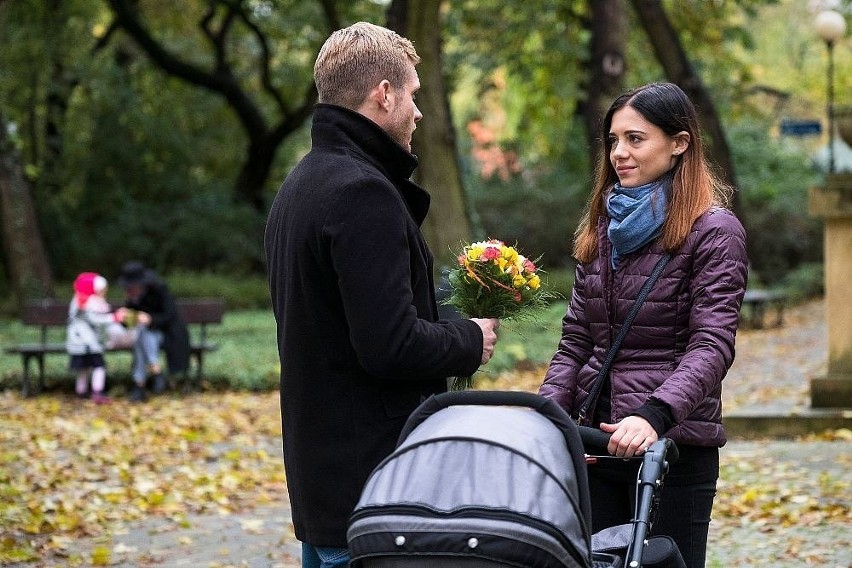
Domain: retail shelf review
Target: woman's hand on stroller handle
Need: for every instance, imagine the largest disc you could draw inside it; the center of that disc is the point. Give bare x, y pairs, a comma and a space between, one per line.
663, 449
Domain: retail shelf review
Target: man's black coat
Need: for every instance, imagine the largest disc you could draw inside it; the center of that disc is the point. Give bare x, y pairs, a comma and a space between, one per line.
353, 295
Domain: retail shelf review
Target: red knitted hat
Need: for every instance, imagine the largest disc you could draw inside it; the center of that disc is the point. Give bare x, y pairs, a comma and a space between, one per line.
86, 284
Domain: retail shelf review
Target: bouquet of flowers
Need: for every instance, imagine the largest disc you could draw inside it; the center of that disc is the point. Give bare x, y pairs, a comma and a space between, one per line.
493, 280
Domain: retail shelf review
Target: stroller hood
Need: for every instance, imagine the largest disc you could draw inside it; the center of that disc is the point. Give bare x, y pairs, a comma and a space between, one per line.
488, 482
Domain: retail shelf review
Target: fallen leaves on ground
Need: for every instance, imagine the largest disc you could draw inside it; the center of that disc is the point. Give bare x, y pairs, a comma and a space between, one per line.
799, 503
70, 468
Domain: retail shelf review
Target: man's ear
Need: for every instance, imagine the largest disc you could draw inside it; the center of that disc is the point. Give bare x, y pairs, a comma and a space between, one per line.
380, 95
377, 104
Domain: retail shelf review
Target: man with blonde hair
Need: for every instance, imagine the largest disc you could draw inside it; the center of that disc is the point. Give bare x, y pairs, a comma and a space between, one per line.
353, 293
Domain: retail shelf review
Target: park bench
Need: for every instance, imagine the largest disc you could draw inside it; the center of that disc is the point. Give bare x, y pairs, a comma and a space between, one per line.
756, 305
50, 314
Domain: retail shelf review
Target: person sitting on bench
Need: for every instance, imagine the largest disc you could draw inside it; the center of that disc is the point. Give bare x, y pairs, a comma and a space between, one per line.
159, 325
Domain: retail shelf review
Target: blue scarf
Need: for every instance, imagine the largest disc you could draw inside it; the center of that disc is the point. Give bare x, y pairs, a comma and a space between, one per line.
636, 215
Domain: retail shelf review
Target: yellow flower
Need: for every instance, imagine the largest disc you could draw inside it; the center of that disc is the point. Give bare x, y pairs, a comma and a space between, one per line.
534, 282
510, 254
474, 252
518, 281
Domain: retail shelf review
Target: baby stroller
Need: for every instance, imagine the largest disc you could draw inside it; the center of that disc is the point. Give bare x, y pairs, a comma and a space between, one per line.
496, 479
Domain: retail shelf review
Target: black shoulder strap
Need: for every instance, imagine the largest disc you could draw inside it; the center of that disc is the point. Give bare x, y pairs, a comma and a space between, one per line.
625, 327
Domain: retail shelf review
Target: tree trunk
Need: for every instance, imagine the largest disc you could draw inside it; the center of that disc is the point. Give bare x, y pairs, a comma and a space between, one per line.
29, 270
606, 66
670, 53
447, 224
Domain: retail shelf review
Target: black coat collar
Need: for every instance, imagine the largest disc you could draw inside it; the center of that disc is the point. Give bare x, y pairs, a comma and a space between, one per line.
335, 126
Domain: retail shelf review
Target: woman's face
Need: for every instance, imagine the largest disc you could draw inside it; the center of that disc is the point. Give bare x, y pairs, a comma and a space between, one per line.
640, 152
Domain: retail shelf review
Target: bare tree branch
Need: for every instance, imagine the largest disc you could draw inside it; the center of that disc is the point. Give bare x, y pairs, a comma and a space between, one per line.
264, 136
265, 57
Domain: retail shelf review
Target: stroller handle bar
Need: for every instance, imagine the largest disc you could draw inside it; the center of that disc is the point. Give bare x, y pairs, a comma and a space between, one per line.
655, 465
665, 448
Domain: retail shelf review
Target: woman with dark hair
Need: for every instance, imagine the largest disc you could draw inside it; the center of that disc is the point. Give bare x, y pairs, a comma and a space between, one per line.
654, 195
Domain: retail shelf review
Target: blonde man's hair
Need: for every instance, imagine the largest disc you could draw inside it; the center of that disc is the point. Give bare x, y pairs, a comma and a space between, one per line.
355, 59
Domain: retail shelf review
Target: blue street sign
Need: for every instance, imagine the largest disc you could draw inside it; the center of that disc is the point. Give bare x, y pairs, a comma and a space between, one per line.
791, 127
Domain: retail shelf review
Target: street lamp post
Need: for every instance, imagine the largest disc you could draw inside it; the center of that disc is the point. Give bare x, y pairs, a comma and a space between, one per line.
830, 26
832, 393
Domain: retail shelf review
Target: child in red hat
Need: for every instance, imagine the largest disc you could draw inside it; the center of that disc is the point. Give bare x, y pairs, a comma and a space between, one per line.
89, 316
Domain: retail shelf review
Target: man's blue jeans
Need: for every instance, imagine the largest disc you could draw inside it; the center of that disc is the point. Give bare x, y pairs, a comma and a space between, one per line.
324, 556
146, 351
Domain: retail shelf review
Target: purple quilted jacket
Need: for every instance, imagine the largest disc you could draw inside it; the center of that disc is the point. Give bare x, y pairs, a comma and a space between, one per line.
681, 343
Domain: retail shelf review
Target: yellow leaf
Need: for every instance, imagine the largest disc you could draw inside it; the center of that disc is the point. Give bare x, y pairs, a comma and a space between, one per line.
749, 497
100, 556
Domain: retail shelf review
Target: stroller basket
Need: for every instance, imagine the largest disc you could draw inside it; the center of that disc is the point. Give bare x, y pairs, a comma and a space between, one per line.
478, 479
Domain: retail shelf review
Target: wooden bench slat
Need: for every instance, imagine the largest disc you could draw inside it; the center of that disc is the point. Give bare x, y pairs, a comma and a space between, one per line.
54, 348
36, 347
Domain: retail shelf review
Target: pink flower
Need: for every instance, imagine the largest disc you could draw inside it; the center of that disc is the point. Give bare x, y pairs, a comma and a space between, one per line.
490, 253
529, 265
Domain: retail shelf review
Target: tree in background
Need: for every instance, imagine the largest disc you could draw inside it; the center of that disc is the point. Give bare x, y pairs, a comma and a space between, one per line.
236, 57
147, 169
671, 54
589, 51
607, 64
29, 270
448, 222
516, 73
22, 238
149, 162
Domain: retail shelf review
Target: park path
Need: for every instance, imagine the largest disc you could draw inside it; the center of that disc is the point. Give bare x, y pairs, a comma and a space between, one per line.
782, 503
773, 366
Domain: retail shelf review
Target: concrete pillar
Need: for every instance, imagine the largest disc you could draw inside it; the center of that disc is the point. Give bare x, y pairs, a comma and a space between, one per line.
833, 203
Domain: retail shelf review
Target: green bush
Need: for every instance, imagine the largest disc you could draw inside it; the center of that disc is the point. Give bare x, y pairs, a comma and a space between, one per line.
805, 282
240, 293
559, 281
773, 179
528, 341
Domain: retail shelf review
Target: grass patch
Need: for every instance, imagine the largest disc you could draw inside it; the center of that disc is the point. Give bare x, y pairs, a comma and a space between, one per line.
527, 342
